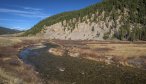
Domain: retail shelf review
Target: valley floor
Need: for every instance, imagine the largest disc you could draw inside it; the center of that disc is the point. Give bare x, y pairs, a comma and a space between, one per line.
14, 71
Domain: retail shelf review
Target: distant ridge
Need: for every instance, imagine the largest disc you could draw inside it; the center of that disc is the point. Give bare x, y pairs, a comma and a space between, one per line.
4, 30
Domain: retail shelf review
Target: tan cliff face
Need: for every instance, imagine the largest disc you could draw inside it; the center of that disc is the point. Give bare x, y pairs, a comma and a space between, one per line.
97, 27
93, 31
83, 30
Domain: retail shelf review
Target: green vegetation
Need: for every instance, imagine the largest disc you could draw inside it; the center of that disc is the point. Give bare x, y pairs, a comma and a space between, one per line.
135, 11
134, 34
123, 33
106, 35
93, 29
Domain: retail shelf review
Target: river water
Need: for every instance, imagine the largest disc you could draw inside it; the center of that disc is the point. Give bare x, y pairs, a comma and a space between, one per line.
69, 70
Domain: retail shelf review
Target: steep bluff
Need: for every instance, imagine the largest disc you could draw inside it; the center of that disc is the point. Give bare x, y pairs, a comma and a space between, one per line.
110, 19
85, 30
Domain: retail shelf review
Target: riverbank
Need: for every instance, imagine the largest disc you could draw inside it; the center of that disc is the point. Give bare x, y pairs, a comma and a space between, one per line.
12, 69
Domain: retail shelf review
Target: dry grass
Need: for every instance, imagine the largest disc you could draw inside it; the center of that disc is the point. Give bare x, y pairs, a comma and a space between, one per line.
8, 42
12, 69
124, 50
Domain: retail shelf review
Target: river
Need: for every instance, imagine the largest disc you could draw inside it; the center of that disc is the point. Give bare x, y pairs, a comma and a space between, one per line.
70, 70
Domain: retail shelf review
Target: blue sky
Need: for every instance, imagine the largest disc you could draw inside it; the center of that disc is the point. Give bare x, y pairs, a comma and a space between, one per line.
23, 14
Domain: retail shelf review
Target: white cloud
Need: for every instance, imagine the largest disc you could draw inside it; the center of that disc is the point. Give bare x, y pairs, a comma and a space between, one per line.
26, 7
12, 20
15, 11
28, 12
18, 28
30, 8
33, 15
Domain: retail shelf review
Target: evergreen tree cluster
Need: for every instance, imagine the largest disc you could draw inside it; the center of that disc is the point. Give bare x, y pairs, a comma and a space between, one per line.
125, 33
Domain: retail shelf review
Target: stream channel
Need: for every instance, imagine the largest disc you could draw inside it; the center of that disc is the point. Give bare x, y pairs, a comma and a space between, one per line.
70, 70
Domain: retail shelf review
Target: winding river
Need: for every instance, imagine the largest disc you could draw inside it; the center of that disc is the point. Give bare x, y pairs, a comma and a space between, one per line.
69, 70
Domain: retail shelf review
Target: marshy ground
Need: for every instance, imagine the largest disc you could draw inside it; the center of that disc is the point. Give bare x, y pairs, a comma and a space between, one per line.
72, 62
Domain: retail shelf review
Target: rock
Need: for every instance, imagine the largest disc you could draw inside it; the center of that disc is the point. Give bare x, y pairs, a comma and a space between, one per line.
57, 51
74, 54
38, 46
61, 69
82, 30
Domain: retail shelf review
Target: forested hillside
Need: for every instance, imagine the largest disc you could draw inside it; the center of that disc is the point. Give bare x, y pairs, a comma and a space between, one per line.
128, 19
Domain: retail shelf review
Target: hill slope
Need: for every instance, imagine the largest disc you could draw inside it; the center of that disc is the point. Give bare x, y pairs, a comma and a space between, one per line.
7, 31
110, 19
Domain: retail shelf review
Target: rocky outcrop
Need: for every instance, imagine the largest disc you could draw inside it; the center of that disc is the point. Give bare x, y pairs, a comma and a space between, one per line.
102, 28
56, 51
82, 31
